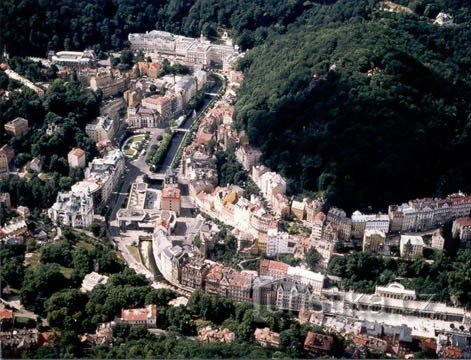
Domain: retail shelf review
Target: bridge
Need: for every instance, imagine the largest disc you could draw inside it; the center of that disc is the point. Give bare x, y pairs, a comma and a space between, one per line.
180, 130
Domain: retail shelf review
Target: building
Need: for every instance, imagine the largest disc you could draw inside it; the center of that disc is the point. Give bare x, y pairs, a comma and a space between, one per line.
428, 213
5, 200
248, 156
6, 156
271, 184
213, 278
443, 19
317, 344
13, 228
298, 209
17, 127
264, 291
141, 316
74, 59
342, 223
318, 225
149, 69
292, 295
72, 209
110, 82
411, 246
276, 269
395, 291
194, 273
313, 279
186, 88
91, 280
140, 117
279, 243
193, 50
210, 335
23, 211
267, 338
162, 104
77, 158
374, 241
102, 129
102, 175
438, 241
237, 285
171, 199
462, 228
362, 221
350, 303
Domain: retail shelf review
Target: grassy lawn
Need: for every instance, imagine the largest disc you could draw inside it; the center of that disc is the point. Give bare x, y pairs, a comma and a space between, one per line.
129, 152
67, 272
134, 252
85, 245
34, 259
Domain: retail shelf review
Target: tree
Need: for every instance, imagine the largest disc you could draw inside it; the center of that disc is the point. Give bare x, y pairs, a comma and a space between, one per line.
39, 284
312, 258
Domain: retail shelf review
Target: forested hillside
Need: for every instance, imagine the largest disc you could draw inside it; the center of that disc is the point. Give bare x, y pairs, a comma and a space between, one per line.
34, 26
372, 107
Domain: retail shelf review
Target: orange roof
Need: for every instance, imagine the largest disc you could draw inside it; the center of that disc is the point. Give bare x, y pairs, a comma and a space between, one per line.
274, 265
6, 314
157, 100
452, 352
320, 216
318, 341
169, 192
464, 221
77, 152
140, 314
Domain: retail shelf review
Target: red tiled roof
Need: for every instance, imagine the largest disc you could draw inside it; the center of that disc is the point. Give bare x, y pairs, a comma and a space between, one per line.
274, 265
464, 221
77, 152
157, 100
6, 314
171, 193
320, 216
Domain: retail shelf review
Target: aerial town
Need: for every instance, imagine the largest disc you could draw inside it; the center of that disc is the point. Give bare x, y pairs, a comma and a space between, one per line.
160, 190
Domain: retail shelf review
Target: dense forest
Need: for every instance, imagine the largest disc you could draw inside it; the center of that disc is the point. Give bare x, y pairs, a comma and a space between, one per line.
32, 27
371, 107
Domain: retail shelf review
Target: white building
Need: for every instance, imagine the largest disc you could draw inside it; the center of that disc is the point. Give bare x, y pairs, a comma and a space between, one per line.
462, 228
270, 184
197, 51
91, 280
411, 246
102, 129
443, 19
101, 176
142, 117
361, 221
279, 243
73, 58
428, 213
76, 158
316, 280
72, 209
186, 88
